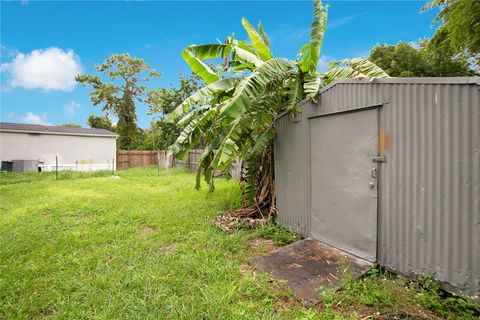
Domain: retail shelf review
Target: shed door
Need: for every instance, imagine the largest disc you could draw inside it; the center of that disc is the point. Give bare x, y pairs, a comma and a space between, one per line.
344, 187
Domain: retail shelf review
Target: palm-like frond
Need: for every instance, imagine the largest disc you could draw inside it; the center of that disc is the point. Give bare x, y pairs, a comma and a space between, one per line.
246, 56
192, 132
228, 149
312, 84
249, 183
258, 40
262, 34
355, 68
208, 51
212, 88
294, 91
311, 51
199, 67
255, 84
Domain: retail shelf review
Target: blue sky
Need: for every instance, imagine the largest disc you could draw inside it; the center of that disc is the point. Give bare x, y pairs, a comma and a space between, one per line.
45, 43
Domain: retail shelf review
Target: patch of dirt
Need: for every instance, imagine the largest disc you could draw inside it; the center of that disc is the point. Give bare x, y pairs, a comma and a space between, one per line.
145, 230
85, 251
287, 303
48, 313
400, 315
286, 300
168, 247
109, 260
260, 246
80, 218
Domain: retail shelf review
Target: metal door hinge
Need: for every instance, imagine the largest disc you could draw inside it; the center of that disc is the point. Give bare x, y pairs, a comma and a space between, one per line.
379, 159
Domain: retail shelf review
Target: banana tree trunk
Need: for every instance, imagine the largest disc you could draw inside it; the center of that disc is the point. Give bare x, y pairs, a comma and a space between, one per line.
262, 209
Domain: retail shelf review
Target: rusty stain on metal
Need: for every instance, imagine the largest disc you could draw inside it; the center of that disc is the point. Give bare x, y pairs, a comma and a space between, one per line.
386, 143
309, 265
383, 141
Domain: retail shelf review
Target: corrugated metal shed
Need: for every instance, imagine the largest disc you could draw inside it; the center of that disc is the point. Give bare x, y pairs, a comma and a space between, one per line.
429, 186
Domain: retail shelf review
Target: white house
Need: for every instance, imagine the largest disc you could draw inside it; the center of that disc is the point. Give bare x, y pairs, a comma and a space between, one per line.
79, 149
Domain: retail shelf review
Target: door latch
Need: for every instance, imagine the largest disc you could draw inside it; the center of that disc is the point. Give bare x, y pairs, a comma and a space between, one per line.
373, 173
379, 159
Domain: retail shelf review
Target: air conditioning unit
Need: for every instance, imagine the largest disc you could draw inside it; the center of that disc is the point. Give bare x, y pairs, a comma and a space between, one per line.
25, 165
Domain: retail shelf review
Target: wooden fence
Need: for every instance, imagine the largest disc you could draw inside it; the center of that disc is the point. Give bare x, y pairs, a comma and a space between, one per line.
134, 158
191, 159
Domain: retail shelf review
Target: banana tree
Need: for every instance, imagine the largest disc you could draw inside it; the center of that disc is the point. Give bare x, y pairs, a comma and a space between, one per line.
234, 113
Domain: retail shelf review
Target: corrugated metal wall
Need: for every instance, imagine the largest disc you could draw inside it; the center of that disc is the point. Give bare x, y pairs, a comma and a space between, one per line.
429, 196
292, 172
430, 189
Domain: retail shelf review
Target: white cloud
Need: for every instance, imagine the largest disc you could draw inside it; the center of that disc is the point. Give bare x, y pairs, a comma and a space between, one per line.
71, 108
33, 118
48, 69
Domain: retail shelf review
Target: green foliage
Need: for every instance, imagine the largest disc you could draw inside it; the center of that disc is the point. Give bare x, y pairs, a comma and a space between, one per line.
278, 234
124, 83
405, 60
199, 67
310, 52
234, 113
368, 291
459, 30
396, 296
450, 306
162, 134
259, 42
100, 122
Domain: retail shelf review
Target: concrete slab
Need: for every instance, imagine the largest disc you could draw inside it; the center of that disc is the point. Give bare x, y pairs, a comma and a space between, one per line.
309, 265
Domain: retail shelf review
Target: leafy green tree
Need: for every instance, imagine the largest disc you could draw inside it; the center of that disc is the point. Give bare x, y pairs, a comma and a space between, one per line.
406, 60
71, 125
459, 28
234, 113
163, 101
443, 61
124, 84
100, 122
152, 138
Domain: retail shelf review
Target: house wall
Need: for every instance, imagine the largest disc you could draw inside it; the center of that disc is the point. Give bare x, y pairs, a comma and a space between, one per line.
82, 153
429, 186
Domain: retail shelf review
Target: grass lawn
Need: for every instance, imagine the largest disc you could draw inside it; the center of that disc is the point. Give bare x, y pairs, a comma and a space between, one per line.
141, 247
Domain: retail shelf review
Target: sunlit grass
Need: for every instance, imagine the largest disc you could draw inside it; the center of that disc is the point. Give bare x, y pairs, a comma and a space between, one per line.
143, 247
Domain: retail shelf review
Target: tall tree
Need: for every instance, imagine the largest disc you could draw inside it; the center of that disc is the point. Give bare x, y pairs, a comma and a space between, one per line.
234, 113
100, 122
124, 84
459, 28
406, 60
